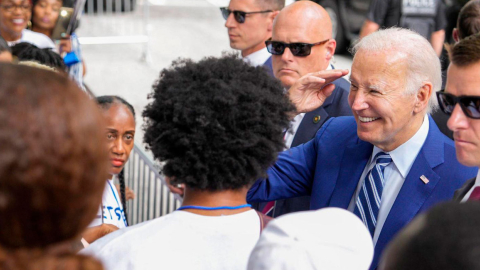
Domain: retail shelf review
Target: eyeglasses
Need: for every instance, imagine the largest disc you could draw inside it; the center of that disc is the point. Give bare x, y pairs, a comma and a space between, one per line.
239, 15
11, 8
297, 49
470, 104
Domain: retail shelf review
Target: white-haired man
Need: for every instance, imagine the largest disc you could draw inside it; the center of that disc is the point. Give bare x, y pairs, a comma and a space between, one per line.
387, 163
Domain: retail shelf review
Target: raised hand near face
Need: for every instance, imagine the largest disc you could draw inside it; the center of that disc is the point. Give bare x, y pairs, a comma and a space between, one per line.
310, 91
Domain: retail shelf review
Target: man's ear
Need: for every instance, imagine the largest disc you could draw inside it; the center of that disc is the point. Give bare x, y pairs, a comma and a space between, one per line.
271, 18
330, 46
423, 96
455, 35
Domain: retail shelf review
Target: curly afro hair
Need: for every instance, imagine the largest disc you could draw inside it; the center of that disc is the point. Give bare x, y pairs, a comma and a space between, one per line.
217, 123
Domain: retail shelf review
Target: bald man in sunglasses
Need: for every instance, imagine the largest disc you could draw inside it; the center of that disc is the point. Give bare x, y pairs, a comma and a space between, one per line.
302, 43
387, 163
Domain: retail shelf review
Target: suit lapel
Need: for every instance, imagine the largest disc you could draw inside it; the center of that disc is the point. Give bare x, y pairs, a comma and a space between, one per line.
461, 192
354, 160
414, 191
309, 126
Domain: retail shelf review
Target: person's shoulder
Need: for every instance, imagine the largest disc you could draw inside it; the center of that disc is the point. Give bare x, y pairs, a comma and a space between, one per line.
130, 235
37, 39
338, 129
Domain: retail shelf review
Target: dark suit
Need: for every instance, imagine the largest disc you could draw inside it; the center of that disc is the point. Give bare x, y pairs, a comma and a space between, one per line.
329, 168
268, 66
461, 192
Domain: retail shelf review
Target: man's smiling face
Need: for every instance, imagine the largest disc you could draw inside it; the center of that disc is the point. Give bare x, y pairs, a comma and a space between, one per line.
384, 111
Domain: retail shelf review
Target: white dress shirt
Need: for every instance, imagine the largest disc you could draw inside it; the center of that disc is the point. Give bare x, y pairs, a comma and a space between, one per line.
257, 58
476, 184
395, 173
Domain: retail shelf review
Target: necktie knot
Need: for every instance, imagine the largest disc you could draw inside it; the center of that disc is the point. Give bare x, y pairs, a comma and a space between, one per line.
383, 159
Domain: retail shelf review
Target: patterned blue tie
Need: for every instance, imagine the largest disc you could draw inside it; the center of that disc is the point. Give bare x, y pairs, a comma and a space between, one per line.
370, 196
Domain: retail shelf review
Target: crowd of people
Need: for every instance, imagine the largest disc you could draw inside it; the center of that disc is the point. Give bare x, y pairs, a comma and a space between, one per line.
281, 162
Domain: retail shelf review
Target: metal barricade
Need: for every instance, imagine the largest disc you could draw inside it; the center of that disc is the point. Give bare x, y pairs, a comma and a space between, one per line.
116, 22
152, 196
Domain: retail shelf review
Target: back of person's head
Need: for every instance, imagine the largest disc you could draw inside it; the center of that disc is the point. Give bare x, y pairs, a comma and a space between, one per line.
446, 237
466, 51
217, 123
25, 51
53, 168
330, 238
468, 22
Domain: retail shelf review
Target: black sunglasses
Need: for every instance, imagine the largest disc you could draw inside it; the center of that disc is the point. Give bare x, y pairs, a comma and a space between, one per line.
297, 49
470, 104
239, 15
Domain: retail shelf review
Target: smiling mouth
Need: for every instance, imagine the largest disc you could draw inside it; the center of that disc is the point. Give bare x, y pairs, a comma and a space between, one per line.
367, 119
18, 21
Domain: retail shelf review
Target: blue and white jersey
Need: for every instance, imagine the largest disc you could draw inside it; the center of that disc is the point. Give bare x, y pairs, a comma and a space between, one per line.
111, 210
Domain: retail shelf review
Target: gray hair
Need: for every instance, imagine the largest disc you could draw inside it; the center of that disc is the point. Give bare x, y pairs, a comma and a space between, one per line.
423, 62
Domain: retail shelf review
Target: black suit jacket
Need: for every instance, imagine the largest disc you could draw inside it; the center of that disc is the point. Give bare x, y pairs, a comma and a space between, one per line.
461, 192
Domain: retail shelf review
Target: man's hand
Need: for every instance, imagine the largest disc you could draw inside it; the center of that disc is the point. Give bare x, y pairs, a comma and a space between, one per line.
310, 91
178, 189
93, 233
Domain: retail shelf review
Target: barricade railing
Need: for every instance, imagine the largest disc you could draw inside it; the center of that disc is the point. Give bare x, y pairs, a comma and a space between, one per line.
116, 22
152, 196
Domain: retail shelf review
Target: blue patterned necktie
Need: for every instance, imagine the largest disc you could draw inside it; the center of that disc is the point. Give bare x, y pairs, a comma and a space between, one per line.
369, 198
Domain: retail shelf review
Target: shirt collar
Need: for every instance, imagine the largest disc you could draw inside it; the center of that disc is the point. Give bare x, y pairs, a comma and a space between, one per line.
404, 155
257, 58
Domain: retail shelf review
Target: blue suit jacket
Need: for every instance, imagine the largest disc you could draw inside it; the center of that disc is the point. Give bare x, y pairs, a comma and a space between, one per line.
329, 167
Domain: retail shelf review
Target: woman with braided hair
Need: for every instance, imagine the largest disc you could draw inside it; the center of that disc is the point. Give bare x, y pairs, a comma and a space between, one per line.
51, 174
120, 132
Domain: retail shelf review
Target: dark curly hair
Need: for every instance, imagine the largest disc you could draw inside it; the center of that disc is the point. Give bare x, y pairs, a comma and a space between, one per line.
217, 123
52, 175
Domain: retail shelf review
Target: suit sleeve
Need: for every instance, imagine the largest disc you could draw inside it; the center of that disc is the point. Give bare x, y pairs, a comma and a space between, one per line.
292, 174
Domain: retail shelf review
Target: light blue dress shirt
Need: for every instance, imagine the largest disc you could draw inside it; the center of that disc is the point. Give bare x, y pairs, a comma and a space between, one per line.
395, 173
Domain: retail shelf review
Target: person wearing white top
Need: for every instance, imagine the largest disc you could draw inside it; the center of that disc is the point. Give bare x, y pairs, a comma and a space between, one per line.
14, 17
120, 132
217, 135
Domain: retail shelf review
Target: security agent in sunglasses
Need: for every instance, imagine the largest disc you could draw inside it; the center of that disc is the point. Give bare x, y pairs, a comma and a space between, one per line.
387, 163
461, 100
302, 43
249, 24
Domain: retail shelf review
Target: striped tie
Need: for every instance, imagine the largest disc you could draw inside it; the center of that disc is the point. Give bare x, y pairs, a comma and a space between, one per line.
370, 196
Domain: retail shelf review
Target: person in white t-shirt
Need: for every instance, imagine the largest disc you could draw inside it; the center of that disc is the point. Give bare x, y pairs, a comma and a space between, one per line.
14, 17
120, 132
217, 124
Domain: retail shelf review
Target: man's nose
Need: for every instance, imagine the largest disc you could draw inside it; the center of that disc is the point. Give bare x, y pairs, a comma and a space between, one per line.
359, 102
458, 120
287, 55
230, 22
